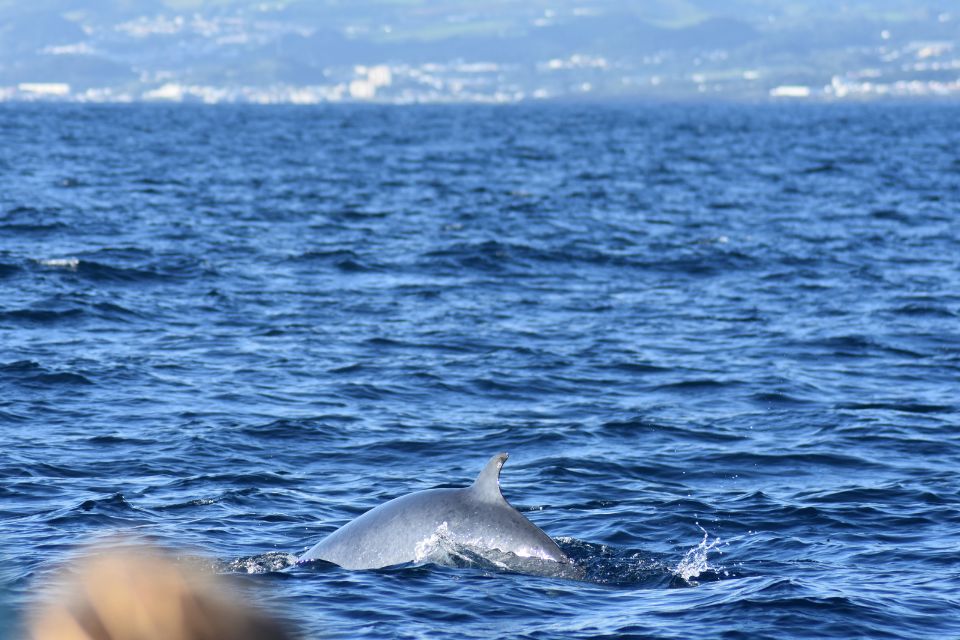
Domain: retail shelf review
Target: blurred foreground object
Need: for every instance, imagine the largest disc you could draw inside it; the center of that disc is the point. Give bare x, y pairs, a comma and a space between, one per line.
138, 593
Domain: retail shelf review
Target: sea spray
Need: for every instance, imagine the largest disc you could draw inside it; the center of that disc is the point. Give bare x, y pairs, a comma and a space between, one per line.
694, 561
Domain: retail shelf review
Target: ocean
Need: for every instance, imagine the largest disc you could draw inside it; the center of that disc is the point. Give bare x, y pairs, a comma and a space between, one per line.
721, 344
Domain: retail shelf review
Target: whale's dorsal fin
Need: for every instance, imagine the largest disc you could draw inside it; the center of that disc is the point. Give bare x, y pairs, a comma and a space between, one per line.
487, 484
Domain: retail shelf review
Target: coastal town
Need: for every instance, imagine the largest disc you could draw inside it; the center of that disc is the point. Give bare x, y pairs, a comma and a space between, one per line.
268, 55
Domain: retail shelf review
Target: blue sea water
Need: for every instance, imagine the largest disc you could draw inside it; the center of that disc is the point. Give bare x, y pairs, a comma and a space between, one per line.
720, 343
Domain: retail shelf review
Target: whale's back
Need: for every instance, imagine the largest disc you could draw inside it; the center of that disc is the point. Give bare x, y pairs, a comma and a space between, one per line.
403, 529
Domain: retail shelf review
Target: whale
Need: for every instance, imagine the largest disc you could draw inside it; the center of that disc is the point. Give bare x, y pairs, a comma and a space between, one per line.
400, 531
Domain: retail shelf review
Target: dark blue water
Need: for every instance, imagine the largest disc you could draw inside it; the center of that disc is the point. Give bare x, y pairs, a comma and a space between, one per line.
721, 344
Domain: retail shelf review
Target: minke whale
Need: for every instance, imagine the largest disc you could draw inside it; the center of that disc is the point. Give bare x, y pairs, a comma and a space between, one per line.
477, 517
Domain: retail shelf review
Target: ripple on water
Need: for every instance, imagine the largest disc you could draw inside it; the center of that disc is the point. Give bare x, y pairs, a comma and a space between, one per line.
232, 329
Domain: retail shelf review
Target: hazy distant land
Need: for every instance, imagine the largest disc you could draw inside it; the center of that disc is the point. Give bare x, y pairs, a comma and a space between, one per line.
300, 51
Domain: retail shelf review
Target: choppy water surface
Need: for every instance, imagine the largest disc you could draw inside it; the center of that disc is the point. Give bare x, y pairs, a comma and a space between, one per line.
722, 346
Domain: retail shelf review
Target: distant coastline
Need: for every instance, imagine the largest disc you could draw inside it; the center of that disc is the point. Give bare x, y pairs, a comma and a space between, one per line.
296, 52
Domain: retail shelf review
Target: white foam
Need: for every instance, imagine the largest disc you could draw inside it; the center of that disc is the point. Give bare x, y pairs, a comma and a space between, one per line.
60, 263
429, 545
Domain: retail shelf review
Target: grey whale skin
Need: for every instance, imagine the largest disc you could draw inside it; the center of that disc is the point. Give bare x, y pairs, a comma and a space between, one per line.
477, 516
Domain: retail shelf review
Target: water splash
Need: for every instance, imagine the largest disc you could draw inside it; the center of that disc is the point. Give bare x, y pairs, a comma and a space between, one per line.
442, 549
694, 561
427, 548
264, 563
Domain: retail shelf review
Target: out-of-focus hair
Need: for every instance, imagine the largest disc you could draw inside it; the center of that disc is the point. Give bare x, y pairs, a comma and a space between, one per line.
138, 593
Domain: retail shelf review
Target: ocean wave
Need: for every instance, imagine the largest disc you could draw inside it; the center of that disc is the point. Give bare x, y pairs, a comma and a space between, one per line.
41, 316
31, 373
253, 324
